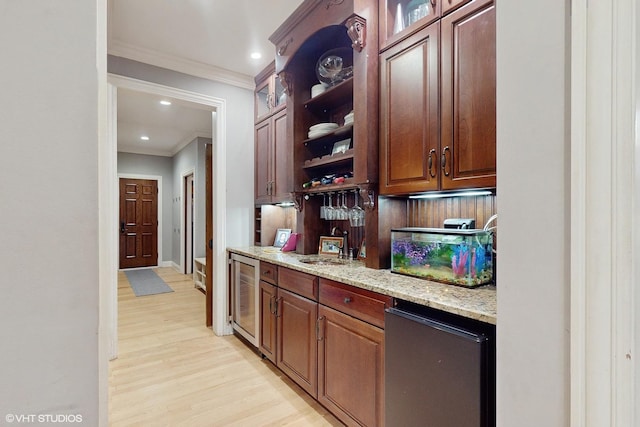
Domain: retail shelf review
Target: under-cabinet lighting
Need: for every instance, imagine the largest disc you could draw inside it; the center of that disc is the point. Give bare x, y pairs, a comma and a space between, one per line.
256, 55
459, 194
144, 138
165, 102
285, 204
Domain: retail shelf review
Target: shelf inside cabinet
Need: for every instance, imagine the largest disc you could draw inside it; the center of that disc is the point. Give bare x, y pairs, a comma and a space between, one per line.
348, 184
343, 131
329, 160
334, 95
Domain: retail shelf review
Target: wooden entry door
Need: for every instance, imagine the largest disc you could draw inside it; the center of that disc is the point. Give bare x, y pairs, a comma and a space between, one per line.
138, 223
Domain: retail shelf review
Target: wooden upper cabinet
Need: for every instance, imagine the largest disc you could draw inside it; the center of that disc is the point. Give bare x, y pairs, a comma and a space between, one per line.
273, 153
468, 144
273, 159
263, 156
409, 116
315, 30
401, 18
424, 147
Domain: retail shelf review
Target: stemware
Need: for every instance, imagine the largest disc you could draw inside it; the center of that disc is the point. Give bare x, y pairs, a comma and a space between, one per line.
330, 210
356, 214
343, 212
323, 208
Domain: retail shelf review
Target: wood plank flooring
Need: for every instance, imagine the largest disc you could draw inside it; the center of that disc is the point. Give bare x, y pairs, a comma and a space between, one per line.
173, 371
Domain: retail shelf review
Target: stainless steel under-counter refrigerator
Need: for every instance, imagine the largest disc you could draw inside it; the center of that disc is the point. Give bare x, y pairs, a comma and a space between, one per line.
439, 369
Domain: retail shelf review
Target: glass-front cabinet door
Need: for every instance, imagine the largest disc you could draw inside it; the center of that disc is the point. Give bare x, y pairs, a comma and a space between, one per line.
263, 100
280, 97
400, 18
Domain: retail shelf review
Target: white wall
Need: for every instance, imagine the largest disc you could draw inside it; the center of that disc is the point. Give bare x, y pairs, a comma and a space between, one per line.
183, 162
142, 164
533, 208
49, 122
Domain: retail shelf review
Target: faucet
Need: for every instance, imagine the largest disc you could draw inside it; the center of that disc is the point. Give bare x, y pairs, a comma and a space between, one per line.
345, 234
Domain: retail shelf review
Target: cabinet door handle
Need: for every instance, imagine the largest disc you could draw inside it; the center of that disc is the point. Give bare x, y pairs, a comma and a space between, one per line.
273, 305
319, 337
444, 161
432, 173
277, 302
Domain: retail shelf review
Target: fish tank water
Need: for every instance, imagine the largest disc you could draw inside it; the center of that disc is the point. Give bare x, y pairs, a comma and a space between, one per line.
456, 257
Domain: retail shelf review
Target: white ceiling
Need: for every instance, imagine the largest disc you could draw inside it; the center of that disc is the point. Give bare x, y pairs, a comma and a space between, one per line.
206, 38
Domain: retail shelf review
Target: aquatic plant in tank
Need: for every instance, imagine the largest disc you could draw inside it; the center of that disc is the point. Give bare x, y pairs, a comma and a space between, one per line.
457, 257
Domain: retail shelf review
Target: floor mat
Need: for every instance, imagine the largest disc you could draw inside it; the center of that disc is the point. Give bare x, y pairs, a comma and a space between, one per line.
146, 282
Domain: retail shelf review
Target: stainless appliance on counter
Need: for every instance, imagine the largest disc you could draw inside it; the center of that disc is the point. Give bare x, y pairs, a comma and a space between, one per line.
245, 287
439, 369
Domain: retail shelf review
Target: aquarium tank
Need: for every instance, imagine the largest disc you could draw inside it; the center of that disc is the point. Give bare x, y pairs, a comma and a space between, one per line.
457, 257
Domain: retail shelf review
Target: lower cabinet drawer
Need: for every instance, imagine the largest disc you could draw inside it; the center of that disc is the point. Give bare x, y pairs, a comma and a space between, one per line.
300, 283
269, 272
360, 303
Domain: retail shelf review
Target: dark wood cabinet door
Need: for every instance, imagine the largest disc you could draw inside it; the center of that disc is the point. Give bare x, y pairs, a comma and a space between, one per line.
468, 145
409, 116
351, 368
268, 310
297, 352
282, 175
263, 161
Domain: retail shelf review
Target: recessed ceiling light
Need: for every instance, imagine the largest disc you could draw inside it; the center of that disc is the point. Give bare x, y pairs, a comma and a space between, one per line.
164, 102
144, 138
256, 55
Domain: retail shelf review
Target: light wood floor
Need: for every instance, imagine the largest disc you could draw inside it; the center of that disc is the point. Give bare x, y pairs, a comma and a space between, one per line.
173, 371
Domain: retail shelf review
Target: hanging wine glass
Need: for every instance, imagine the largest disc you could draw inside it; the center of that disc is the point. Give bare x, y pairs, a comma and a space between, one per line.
329, 212
356, 215
323, 208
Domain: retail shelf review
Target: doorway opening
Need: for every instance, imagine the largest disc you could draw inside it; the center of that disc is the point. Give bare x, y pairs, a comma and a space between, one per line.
217, 298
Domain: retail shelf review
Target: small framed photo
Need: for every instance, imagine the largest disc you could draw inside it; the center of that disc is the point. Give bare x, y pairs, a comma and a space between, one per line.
341, 146
282, 235
330, 245
362, 253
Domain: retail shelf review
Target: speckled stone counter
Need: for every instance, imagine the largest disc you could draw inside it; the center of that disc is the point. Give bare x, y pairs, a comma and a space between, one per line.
478, 303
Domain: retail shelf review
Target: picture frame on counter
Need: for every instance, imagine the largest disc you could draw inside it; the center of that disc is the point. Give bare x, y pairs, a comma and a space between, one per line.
362, 253
330, 245
282, 235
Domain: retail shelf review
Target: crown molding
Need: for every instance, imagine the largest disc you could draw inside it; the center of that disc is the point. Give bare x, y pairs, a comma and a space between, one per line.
188, 140
171, 62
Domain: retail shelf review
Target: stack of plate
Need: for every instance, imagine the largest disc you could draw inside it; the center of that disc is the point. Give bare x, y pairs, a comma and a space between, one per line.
318, 89
322, 129
348, 119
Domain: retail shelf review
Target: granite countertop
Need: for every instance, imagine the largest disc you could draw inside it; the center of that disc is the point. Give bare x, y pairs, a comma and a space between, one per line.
478, 303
